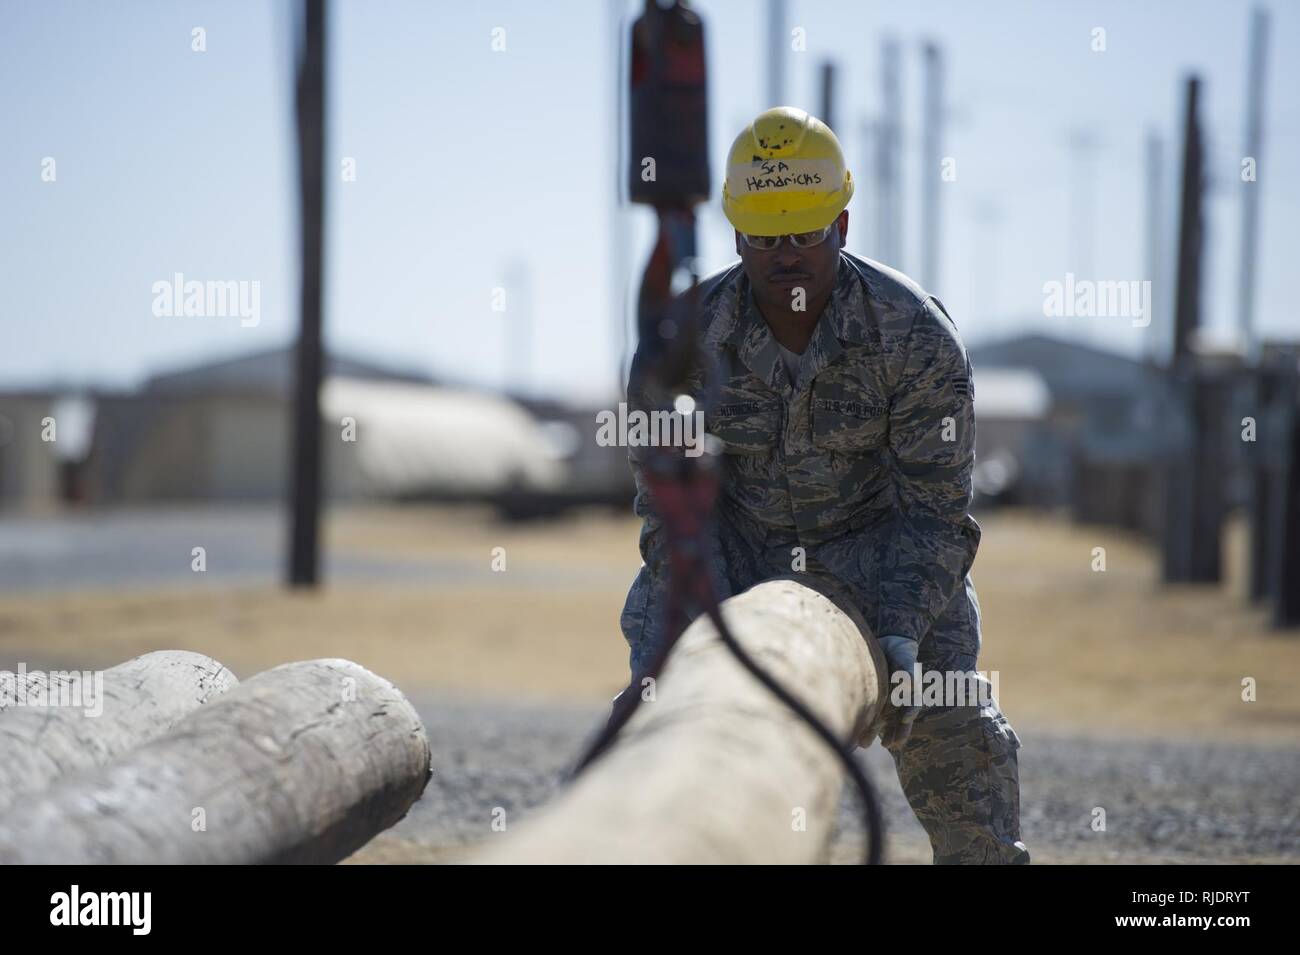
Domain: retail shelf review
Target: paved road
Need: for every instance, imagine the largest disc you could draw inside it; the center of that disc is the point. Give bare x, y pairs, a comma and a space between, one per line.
1164, 802
243, 544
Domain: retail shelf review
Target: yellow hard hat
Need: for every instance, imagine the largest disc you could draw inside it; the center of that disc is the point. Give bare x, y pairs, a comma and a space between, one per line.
785, 173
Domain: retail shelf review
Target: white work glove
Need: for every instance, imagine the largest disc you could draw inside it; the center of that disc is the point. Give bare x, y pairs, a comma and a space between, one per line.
900, 655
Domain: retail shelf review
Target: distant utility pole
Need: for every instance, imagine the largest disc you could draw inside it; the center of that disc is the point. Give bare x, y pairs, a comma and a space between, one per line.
862, 223
617, 276
518, 328
931, 163
827, 113
1250, 199
888, 180
1195, 479
1083, 203
777, 50
987, 218
1187, 306
1154, 244
305, 467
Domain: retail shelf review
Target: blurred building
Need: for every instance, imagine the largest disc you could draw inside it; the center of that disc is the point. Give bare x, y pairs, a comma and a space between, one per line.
595, 474
1061, 424
221, 431
1011, 408
29, 468
44, 435
1089, 439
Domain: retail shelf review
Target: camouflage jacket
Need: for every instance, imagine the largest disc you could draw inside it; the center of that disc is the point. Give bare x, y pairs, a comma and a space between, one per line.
860, 470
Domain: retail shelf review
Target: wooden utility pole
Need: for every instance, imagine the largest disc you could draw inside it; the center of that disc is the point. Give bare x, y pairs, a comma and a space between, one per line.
1195, 469
827, 112
888, 185
1286, 514
1187, 304
1155, 246
1250, 189
1265, 461
305, 466
518, 329
1083, 144
931, 162
140, 701
777, 47
615, 241
300, 765
707, 773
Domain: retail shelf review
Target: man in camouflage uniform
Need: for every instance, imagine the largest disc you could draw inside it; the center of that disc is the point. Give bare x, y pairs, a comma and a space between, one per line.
848, 440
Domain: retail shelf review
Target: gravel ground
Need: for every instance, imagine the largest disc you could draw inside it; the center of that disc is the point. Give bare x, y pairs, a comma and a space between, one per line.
1165, 802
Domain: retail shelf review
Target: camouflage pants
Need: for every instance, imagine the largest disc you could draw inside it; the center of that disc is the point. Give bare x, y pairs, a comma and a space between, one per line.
960, 774
958, 768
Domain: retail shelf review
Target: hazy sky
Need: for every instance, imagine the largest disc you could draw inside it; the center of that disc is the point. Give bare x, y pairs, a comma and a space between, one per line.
477, 169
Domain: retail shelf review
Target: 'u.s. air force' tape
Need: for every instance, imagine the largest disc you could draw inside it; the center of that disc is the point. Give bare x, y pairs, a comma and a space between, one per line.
784, 175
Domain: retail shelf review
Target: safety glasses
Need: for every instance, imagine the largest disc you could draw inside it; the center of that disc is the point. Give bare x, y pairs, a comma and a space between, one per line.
800, 240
